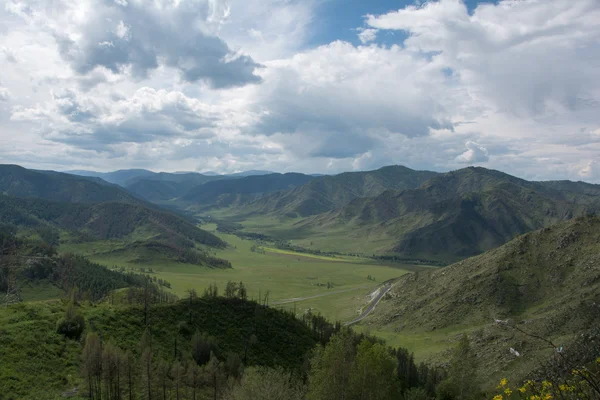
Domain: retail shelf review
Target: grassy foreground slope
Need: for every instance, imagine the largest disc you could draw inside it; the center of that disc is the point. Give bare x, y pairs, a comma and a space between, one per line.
36, 362
454, 215
545, 282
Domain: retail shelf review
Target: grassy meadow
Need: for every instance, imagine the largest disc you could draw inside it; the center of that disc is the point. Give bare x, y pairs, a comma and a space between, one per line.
292, 280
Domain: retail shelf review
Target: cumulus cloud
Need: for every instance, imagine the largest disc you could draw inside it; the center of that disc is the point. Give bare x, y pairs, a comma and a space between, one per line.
4, 94
499, 51
591, 171
168, 85
366, 35
100, 124
475, 153
137, 37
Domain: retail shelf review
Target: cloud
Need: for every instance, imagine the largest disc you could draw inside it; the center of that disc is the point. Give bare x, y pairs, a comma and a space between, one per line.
137, 37
341, 98
498, 50
591, 171
88, 123
366, 35
9, 54
168, 85
475, 153
4, 94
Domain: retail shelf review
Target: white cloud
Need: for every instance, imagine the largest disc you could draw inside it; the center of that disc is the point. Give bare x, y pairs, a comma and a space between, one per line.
591, 171
462, 88
475, 153
4, 94
366, 35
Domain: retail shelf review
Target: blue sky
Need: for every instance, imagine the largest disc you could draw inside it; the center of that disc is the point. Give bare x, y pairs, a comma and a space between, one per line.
339, 19
287, 85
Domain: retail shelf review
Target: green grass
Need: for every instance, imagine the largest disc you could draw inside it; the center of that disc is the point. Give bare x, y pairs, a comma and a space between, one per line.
283, 274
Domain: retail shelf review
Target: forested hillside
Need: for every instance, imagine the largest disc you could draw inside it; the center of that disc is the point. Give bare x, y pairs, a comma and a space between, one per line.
141, 232
20, 182
326, 193
237, 192
458, 214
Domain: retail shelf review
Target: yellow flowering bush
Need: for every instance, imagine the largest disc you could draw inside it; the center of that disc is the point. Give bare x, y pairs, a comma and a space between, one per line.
580, 385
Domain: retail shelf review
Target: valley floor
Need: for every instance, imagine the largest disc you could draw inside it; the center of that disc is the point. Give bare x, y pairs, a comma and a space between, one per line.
291, 280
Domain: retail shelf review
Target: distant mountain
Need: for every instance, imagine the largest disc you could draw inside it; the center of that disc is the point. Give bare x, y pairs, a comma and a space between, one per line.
327, 193
235, 192
459, 214
546, 282
20, 182
252, 172
165, 186
117, 177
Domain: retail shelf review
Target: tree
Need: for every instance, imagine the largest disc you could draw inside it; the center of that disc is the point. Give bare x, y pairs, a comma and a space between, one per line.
242, 291
91, 365
111, 371
202, 347
193, 378
331, 367
163, 370
267, 384
231, 290
178, 374
146, 363
129, 370
374, 374
461, 382
250, 341
73, 323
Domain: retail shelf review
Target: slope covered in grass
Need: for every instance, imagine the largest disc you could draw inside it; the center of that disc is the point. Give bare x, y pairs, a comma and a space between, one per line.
545, 282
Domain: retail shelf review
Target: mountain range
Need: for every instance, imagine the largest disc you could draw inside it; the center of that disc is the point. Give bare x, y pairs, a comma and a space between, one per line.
393, 210
458, 214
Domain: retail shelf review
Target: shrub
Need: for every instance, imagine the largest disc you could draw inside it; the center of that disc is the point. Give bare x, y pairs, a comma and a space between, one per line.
72, 324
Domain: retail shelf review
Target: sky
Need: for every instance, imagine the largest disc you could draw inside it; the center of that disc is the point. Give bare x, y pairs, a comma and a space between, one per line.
313, 86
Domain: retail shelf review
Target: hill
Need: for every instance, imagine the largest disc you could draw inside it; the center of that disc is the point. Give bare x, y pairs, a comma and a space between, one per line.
36, 362
236, 192
326, 193
21, 182
140, 232
546, 282
457, 214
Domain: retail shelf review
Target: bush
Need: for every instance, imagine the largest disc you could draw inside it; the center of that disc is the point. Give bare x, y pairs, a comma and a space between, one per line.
72, 325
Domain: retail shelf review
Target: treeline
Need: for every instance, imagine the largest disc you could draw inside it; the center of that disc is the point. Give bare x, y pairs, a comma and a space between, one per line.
348, 367
188, 254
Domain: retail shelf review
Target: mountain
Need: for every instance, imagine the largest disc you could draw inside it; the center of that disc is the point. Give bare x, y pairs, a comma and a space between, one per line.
164, 186
327, 193
117, 177
458, 214
21, 182
140, 232
546, 282
235, 192
252, 172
